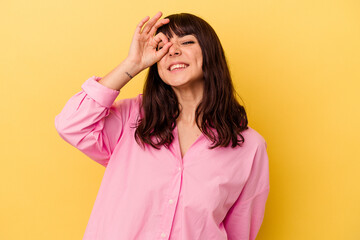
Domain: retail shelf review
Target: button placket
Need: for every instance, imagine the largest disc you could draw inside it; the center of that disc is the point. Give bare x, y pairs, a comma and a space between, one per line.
171, 204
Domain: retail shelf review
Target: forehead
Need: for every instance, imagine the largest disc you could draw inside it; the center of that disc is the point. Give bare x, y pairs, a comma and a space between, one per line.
175, 31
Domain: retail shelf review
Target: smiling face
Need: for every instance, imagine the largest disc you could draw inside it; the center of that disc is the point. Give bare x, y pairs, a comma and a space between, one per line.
182, 65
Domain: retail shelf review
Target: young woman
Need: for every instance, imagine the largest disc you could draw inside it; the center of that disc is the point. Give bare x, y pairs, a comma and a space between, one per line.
181, 161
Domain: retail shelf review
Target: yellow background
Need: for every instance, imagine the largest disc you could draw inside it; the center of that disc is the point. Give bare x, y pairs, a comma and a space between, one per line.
295, 64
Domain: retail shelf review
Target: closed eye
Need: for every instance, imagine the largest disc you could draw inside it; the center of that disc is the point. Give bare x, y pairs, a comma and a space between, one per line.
185, 43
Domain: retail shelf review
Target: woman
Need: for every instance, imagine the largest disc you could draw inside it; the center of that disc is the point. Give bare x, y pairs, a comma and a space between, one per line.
181, 162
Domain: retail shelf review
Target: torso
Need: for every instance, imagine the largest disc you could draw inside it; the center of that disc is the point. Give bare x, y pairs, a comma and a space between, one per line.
187, 136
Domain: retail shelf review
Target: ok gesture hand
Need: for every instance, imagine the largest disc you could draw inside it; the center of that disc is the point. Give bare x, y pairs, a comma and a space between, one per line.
143, 49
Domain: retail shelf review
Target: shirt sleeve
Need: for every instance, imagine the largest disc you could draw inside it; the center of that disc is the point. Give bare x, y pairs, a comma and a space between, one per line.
245, 217
92, 122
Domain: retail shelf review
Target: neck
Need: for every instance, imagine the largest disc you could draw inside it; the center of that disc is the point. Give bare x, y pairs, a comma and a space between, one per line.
189, 98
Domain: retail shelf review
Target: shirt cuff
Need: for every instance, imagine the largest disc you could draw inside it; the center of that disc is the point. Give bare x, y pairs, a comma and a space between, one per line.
103, 95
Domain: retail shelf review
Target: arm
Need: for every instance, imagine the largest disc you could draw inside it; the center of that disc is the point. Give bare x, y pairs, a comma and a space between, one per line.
245, 217
91, 122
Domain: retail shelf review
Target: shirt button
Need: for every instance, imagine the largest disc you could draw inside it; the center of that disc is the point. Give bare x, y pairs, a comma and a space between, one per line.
171, 201
163, 235
179, 168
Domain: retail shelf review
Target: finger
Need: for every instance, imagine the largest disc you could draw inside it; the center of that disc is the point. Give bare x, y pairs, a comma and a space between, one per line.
158, 24
161, 53
151, 23
141, 23
160, 37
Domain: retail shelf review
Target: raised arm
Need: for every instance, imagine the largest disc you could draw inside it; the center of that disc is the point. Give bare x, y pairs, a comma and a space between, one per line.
90, 120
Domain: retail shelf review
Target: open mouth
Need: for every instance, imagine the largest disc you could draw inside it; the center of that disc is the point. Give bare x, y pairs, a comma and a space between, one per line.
177, 67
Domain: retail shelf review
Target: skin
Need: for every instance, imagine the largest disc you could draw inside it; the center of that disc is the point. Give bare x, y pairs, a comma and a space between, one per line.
144, 52
187, 83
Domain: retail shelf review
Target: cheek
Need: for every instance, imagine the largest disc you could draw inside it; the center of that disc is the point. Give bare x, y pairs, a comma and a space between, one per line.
161, 72
161, 66
200, 59
200, 63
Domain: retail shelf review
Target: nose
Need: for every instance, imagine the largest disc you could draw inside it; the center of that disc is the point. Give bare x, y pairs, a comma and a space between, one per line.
174, 50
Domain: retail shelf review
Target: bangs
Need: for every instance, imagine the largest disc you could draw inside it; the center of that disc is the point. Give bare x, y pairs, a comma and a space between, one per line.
180, 25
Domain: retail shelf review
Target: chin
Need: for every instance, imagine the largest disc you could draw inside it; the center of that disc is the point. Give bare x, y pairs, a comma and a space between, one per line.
176, 83
180, 82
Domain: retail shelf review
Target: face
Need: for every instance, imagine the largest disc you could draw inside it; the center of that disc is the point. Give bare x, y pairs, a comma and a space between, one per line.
182, 64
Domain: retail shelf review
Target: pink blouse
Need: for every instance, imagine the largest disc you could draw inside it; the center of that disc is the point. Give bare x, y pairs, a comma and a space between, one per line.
151, 194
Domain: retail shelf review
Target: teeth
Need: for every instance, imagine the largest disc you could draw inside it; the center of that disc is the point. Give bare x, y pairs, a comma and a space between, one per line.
177, 66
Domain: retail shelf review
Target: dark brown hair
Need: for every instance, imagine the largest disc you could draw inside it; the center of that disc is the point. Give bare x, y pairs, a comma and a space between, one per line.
220, 110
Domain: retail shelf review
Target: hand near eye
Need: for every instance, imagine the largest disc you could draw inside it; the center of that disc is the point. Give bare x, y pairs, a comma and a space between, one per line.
143, 49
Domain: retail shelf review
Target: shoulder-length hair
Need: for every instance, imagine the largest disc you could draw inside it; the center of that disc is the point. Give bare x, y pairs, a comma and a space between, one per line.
220, 110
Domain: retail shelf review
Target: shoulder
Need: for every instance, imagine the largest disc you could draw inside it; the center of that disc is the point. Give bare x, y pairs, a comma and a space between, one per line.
253, 137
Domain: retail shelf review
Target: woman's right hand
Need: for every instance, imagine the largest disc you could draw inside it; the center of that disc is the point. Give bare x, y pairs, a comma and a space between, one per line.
143, 49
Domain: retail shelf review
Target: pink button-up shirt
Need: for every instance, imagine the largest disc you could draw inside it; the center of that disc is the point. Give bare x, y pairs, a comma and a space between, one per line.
209, 194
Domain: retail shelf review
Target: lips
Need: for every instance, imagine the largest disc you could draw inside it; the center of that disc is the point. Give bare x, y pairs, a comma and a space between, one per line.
177, 65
